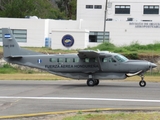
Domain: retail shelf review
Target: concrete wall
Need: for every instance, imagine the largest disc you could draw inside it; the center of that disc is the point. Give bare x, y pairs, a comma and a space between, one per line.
59, 28
90, 14
35, 30
80, 38
125, 33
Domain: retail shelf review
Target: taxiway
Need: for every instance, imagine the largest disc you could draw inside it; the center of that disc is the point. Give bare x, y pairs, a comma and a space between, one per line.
27, 97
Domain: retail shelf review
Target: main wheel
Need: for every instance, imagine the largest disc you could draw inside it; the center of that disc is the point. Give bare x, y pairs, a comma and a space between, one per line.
96, 82
90, 82
142, 83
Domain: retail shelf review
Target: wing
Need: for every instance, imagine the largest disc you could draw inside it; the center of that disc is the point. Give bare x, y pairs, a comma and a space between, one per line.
93, 54
87, 54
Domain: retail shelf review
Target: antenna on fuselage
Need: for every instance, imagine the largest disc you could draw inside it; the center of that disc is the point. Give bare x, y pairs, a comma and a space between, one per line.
46, 52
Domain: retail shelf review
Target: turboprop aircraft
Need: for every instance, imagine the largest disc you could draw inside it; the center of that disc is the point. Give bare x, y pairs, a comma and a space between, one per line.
87, 64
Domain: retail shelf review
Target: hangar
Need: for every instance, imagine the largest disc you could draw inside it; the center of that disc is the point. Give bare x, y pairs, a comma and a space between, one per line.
126, 22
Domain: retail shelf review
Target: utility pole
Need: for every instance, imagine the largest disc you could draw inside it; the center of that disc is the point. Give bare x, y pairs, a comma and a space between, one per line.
105, 14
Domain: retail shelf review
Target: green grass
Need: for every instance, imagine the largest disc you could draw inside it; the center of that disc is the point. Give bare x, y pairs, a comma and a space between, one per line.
133, 47
133, 51
117, 116
6, 68
9, 69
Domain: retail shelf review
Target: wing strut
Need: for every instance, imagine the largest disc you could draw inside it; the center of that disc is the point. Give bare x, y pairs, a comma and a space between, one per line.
99, 64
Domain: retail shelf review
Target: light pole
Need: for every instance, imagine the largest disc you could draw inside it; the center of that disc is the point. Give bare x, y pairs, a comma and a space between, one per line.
105, 14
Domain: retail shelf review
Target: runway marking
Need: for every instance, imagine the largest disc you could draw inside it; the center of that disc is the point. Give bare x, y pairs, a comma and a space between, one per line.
73, 98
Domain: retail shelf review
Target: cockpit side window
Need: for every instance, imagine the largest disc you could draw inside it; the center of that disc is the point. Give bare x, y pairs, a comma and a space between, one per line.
112, 60
120, 58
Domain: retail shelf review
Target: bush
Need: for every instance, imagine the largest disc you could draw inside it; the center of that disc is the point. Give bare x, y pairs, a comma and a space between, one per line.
132, 55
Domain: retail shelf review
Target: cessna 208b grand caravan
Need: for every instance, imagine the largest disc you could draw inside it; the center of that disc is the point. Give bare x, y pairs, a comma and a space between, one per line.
87, 64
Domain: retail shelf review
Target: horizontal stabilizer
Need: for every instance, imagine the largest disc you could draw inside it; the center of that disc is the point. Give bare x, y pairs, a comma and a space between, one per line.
15, 56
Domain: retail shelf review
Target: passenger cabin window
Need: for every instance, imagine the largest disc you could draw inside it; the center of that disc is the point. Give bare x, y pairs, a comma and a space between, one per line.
89, 60
67, 60
92, 60
75, 60
60, 60
86, 60
110, 59
52, 59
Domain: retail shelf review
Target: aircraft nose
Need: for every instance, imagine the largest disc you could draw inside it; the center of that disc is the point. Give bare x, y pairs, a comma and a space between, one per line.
153, 65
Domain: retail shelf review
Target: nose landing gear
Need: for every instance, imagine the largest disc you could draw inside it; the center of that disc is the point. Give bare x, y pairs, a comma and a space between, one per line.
142, 83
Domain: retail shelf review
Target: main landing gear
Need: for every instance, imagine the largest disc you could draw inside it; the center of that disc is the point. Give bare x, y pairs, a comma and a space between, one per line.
92, 82
142, 83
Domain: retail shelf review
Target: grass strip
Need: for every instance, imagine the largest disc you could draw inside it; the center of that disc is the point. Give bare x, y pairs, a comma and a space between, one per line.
117, 116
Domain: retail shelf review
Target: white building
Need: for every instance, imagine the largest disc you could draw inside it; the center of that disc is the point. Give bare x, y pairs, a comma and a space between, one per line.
127, 21
118, 10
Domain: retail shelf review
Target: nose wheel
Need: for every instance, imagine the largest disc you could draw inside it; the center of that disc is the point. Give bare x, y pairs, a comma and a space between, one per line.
142, 83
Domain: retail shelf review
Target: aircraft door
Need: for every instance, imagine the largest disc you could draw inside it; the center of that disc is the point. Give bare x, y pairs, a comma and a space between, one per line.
109, 64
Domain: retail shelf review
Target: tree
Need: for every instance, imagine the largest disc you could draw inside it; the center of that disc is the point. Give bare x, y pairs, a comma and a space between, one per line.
22, 8
68, 7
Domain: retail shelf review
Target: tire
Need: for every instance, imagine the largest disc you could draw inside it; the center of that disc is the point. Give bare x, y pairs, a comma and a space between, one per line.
96, 82
142, 83
90, 82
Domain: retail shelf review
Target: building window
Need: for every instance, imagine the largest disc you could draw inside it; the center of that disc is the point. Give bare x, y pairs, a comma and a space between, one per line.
122, 9
89, 6
19, 34
151, 9
98, 36
98, 7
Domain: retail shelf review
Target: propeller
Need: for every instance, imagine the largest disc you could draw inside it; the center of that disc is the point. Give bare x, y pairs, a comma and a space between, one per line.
152, 65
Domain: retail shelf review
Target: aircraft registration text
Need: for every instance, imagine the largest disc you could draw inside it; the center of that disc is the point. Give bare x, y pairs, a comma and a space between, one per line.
71, 66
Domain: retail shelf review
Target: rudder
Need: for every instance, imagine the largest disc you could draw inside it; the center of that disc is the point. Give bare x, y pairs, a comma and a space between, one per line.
10, 45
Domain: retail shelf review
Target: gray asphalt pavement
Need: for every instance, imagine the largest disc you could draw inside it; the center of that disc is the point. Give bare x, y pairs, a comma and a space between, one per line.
26, 97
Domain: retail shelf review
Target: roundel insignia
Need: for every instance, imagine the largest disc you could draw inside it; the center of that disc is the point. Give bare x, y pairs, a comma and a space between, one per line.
67, 41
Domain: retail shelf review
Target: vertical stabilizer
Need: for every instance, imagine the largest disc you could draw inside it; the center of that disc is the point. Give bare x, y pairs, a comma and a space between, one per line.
10, 45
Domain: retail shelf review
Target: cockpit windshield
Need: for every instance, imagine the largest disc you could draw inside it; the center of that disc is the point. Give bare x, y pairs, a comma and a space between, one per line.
120, 58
